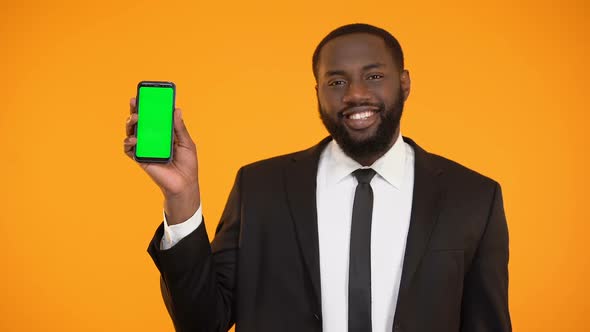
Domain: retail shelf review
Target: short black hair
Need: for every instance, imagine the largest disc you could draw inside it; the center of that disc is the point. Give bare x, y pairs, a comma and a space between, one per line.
389, 39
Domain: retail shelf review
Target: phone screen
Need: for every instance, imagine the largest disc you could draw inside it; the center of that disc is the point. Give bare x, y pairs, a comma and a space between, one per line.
154, 126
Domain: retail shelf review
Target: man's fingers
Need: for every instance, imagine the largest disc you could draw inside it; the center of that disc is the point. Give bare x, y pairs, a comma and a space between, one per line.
132, 106
182, 135
128, 145
130, 124
130, 141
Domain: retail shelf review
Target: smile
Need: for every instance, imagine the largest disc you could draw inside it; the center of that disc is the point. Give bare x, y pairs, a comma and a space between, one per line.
361, 119
361, 115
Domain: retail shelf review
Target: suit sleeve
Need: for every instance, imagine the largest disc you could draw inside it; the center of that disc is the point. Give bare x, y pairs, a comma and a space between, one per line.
198, 283
485, 294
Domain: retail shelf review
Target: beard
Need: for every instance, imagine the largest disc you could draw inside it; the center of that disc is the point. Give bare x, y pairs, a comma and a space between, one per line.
373, 146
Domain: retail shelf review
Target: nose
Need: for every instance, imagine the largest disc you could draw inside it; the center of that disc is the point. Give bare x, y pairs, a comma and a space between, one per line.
356, 93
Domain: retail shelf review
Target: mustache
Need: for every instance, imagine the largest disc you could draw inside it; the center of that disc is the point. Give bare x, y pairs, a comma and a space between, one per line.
349, 106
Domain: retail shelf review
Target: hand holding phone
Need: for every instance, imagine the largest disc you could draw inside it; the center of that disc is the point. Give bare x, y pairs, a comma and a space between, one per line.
177, 178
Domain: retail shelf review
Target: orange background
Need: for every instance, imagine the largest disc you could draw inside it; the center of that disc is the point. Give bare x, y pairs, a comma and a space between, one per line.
500, 86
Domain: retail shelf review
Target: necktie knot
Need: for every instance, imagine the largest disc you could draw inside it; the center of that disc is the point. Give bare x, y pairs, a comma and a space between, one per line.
364, 175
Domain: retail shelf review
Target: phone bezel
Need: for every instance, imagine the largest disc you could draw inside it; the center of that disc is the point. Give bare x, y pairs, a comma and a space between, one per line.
159, 84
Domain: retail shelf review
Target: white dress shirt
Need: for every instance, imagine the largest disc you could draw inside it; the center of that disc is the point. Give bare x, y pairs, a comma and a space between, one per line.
392, 202
392, 191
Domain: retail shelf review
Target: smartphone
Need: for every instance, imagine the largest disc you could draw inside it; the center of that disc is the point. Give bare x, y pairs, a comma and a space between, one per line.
154, 129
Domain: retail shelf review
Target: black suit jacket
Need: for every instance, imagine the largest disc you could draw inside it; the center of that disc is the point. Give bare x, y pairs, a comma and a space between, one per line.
262, 272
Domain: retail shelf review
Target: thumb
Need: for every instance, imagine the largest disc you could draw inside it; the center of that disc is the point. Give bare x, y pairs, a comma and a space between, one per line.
182, 135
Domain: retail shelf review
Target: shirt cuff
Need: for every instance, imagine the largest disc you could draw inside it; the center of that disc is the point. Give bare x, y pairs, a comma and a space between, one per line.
174, 233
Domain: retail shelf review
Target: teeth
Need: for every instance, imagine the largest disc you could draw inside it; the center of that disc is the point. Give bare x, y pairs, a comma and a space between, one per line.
361, 115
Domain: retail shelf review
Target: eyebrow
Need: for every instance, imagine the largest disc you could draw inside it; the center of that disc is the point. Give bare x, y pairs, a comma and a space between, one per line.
365, 68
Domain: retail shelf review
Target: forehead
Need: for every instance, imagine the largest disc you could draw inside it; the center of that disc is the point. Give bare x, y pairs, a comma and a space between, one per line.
354, 50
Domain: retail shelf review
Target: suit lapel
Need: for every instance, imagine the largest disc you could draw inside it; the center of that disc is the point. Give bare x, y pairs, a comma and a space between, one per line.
300, 180
425, 209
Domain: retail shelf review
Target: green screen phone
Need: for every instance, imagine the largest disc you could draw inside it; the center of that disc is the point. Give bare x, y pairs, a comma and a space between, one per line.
154, 129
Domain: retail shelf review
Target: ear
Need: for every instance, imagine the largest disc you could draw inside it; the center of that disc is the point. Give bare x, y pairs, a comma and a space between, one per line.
406, 83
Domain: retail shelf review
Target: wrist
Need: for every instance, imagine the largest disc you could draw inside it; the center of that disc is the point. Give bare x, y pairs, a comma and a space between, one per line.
181, 206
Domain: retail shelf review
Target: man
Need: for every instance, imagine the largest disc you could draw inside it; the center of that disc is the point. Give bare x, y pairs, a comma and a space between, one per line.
365, 231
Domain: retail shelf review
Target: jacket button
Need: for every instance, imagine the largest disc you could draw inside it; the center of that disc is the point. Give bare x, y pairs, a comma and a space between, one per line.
397, 328
316, 316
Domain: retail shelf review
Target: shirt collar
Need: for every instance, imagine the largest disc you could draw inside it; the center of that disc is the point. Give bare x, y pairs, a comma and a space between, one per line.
391, 166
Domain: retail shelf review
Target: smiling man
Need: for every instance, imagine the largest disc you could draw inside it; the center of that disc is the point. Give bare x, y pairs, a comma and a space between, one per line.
365, 231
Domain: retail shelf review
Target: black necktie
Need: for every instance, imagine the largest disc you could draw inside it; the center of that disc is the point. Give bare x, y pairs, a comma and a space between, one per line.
359, 270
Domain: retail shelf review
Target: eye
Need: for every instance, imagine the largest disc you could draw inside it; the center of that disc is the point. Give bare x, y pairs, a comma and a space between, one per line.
375, 77
336, 82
